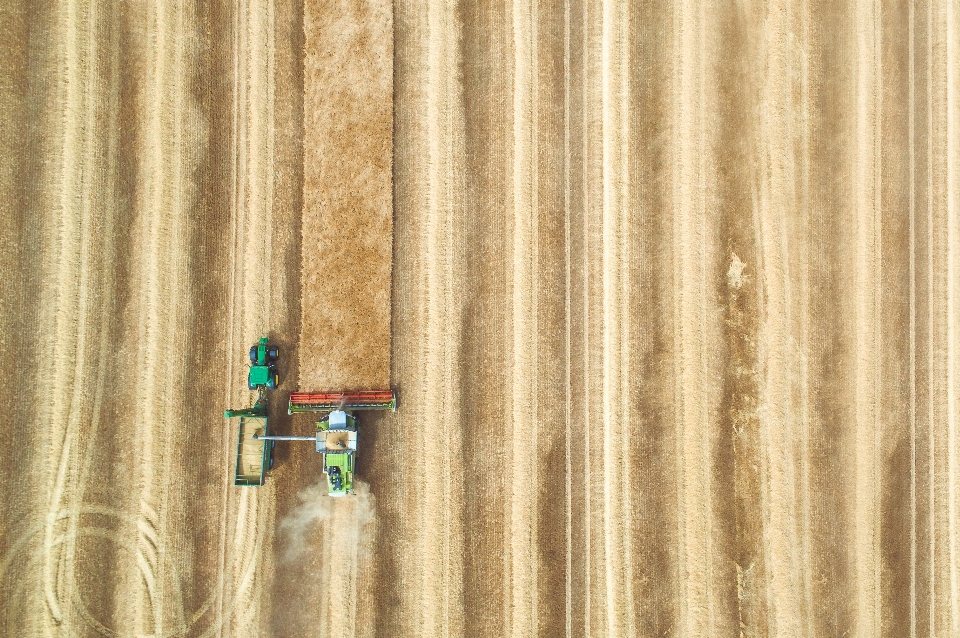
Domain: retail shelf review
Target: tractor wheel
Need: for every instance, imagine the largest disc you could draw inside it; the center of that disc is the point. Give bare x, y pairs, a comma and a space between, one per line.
272, 382
273, 353
253, 354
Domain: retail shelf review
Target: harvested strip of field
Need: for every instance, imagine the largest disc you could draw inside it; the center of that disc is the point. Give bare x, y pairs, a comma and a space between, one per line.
141, 177
347, 223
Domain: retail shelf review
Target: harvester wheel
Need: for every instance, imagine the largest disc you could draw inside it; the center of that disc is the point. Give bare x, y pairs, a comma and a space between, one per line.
273, 353
253, 354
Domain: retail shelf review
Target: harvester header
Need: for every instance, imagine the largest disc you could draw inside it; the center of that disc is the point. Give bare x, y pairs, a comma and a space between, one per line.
330, 401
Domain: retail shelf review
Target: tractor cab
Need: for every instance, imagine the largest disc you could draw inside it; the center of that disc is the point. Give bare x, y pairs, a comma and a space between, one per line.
263, 366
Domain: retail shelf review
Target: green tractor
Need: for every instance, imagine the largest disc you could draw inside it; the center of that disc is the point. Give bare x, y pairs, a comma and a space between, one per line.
263, 366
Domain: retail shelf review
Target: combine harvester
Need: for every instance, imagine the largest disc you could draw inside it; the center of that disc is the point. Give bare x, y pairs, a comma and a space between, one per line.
336, 433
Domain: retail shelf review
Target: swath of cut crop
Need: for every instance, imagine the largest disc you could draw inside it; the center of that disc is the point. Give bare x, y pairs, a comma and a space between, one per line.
247, 515
521, 544
782, 413
616, 616
692, 332
867, 229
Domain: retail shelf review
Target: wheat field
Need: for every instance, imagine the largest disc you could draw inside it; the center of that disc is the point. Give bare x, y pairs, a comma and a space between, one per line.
673, 322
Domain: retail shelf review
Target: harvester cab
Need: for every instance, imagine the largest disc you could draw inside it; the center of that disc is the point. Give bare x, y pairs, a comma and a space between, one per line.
335, 436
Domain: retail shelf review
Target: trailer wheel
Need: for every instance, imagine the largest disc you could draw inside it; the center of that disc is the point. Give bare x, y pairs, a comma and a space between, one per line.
270, 465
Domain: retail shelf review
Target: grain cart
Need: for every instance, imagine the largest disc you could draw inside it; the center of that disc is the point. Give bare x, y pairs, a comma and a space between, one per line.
254, 455
336, 431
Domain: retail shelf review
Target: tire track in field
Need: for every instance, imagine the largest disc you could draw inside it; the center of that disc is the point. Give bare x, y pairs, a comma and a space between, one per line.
780, 269
867, 228
520, 535
248, 513
548, 325
702, 600
947, 121
895, 601
618, 617
82, 260
942, 217
164, 198
574, 320
600, 381
592, 261
922, 279
68, 250
744, 194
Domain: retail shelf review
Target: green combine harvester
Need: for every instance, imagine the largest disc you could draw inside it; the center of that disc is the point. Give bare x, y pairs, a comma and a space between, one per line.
336, 433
